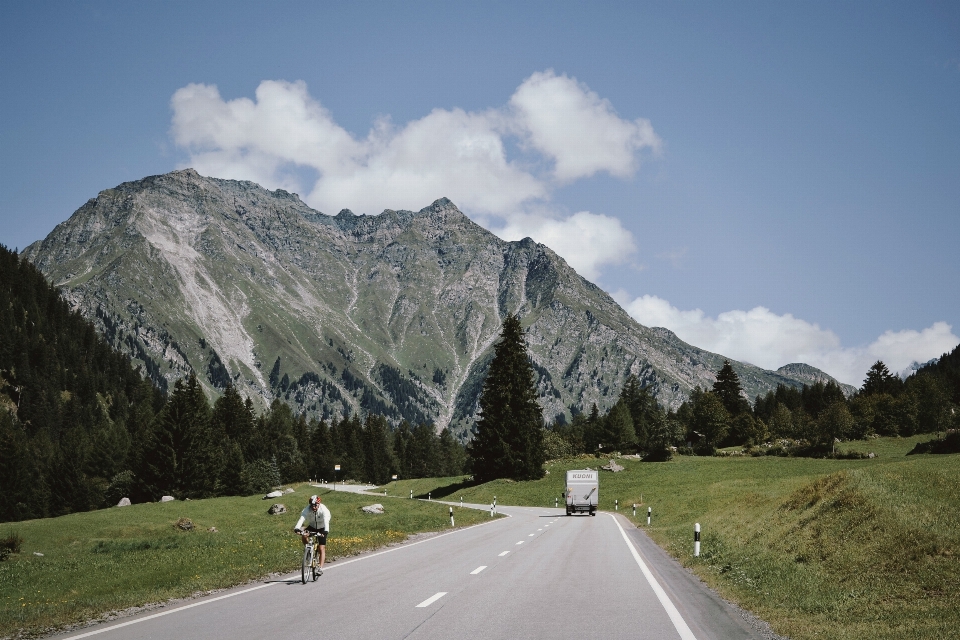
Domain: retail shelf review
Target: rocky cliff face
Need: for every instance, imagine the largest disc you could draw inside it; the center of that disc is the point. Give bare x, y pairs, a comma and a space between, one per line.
395, 313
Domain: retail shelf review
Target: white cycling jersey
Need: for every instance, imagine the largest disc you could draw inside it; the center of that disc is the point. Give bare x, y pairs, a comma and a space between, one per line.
319, 519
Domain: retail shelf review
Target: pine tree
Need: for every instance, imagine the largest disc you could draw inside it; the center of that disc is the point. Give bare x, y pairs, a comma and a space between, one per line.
401, 447
619, 429
321, 462
509, 434
728, 389
181, 456
644, 410
378, 459
880, 380
452, 454
233, 419
711, 419
423, 452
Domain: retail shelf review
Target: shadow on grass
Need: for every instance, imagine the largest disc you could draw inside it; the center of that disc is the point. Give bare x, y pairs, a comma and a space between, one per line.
443, 492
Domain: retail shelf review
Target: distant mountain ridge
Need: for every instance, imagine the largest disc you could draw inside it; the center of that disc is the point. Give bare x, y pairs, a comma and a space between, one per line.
811, 375
394, 313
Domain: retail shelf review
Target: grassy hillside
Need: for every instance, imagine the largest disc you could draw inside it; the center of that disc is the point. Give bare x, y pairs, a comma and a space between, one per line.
111, 559
819, 548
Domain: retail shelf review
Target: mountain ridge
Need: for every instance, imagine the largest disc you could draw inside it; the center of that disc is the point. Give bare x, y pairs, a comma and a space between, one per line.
394, 313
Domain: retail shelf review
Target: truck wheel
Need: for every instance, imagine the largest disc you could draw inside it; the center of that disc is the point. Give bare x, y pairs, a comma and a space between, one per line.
593, 513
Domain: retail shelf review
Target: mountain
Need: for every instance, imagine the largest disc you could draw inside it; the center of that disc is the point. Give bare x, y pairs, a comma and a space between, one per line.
394, 313
811, 375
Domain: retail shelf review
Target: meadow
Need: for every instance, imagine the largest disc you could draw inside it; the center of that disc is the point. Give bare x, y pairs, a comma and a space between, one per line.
99, 562
818, 548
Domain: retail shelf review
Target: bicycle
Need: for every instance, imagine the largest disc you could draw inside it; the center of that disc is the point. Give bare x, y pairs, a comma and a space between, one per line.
309, 569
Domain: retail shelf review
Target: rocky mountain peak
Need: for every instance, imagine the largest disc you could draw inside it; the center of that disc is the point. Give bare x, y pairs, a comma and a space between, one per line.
394, 314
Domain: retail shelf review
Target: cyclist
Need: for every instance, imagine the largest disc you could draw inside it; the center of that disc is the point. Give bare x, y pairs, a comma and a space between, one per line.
317, 517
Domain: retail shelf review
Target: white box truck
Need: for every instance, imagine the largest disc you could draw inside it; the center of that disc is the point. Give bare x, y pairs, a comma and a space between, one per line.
583, 490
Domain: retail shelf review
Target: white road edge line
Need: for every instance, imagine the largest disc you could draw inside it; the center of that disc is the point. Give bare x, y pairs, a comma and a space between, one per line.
478, 570
429, 601
261, 586
675, 617
503, 554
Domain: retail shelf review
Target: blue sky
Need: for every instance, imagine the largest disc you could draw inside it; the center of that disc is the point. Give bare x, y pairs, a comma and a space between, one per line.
773, 182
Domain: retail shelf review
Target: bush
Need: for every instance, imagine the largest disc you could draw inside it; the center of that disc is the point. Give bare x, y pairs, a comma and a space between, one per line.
950, 443
555, 447
260, 475
121, 486
11, 544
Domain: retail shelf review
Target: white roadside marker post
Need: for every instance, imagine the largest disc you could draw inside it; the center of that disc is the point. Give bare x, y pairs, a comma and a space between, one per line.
634, 509
649, 511
491, 509
556, 502
451, 517
411, 494
616, 505
461, 501
429, 493
696, 540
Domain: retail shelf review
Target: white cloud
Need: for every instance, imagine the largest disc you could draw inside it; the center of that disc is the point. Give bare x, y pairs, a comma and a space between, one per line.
454, 153
768, 340
578, 129
587, 241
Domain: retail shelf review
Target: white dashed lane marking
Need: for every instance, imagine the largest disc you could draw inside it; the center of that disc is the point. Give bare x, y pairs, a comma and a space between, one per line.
521, 542
504, 553
478, 570
429, 601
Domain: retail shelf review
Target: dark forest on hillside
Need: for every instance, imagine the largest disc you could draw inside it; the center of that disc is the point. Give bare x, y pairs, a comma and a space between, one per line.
80, 428
786, 421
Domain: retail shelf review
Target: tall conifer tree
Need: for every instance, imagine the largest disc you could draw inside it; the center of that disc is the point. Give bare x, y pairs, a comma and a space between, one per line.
728, 389
509, 437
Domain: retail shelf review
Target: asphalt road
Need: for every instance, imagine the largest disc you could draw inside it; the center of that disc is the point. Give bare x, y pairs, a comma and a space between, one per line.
537, 574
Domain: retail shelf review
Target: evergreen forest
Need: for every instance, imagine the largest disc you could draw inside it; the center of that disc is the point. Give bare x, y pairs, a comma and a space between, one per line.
787, 421
80, 428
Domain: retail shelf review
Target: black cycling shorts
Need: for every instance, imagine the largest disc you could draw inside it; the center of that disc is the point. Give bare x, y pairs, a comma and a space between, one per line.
320, 533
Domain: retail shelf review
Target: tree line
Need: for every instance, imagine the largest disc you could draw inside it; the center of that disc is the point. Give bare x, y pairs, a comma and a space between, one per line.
81, 428
806, 420
195, 450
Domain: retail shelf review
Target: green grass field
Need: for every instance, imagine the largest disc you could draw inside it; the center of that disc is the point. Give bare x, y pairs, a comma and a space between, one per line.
818, 548
109, 560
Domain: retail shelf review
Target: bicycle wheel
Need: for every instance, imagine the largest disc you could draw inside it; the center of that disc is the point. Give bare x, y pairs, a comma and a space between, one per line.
305, 567
315, 568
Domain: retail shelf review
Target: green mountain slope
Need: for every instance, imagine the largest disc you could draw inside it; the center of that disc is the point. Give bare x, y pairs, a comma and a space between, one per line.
393, 313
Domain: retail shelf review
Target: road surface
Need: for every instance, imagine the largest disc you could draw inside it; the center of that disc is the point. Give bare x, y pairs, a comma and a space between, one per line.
536, 574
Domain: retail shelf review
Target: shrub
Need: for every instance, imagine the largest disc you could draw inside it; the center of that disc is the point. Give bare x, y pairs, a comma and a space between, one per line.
260, 475
950, 443
11, 544
121, 486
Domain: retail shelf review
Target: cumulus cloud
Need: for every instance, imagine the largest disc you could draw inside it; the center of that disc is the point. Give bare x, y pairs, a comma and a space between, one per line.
768, 340
577, 129
587, 241
285, 133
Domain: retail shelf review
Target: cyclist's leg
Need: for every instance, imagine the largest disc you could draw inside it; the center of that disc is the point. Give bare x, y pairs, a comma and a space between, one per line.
322, 542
